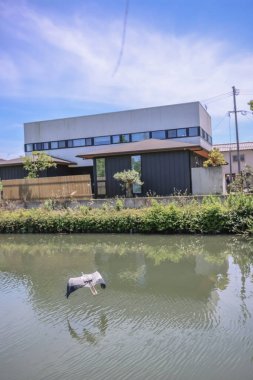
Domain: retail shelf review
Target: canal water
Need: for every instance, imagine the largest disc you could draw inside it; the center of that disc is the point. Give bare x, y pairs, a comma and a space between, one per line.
175, 307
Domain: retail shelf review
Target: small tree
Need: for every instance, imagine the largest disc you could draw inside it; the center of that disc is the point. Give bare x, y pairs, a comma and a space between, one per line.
251, 105
36, 163
243, 181
127, 179
215, 158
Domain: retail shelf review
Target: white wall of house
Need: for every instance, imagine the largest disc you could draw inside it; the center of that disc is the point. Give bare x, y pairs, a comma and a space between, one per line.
140, 120
207, 181
246, 159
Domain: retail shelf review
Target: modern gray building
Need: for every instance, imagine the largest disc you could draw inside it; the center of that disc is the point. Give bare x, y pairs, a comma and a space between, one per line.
181, 134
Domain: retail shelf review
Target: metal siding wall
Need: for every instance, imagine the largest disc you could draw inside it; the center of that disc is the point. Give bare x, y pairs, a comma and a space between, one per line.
112, 166
12, 172
166, 171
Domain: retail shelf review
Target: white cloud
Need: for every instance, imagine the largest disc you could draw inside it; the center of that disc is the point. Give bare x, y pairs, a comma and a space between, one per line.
75, 59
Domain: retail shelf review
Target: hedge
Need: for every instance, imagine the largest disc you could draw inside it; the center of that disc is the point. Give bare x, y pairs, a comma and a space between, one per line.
234, 215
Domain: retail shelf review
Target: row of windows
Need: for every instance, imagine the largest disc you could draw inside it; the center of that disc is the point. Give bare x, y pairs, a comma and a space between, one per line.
123, 138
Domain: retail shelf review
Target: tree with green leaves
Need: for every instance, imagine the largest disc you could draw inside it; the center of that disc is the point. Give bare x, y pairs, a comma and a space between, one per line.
251, 105
243, 182
36, 163
127, 179
215, 158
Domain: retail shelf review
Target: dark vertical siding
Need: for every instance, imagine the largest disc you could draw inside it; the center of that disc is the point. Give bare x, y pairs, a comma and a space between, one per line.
12, 172
112, 166
165, 172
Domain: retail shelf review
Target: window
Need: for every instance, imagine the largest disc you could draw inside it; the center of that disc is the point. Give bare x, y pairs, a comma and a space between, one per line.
38, 146
182, 132
203, 134
45, 145
158, 135
103, 140
136, 165
78, 142
62, 144
101, 188
70, 143
116, 139
101, 177
194, 131
100, 165
140, 136
241, 158
172, 133
125, 138
88, 141
54, 145
210, 139
29, 147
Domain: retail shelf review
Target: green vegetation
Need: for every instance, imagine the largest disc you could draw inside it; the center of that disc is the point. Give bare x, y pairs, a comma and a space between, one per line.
215, 158
234, 215
37, 162
251, 105
127, 179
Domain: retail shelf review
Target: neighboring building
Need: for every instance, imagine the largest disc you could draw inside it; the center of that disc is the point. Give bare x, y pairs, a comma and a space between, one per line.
230, 153
175, 136
13, 169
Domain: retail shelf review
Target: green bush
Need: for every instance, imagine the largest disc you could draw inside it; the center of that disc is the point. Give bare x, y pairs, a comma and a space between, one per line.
235, 215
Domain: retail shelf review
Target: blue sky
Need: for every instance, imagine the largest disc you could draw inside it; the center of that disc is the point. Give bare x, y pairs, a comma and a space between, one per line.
58, 59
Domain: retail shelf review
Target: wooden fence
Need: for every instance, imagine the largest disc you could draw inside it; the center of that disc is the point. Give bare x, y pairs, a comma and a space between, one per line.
75, 187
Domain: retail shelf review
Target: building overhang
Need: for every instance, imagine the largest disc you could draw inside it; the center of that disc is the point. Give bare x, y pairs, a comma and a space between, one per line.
146, 146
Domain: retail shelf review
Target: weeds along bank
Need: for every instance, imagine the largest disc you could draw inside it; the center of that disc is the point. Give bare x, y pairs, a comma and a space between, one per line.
234, 215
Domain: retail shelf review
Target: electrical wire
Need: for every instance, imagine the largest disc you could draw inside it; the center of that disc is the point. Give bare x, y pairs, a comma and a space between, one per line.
214, 98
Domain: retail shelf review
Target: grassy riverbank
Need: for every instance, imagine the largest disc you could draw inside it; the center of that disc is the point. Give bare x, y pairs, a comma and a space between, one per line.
234, 215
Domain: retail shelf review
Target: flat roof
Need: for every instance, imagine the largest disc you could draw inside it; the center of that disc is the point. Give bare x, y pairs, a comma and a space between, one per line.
149, 145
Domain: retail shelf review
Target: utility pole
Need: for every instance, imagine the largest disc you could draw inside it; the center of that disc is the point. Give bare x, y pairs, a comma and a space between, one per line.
236, 130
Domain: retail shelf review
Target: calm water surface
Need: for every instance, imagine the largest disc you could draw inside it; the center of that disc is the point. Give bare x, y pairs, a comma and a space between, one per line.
176, 307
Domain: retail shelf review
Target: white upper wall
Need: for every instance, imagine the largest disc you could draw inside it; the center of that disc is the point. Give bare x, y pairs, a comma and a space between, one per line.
146, 119
140, 120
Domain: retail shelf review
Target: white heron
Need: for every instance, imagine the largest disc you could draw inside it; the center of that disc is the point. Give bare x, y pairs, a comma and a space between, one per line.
85, 281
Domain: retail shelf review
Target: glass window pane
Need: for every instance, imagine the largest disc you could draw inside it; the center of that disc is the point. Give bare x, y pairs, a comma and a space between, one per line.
194, 131
210, 139
101, 189
172, 133
78, 142
37, 146
125, 138
46, 145
29, 147
54, 144
70, 143
100, 165
203, 133
140, 136
136, 163
116, 139
103, 140
136, 189
88, 141
158, 135
181, 132
62, 144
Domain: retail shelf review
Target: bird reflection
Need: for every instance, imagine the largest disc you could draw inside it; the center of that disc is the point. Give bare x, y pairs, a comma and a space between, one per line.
87, 335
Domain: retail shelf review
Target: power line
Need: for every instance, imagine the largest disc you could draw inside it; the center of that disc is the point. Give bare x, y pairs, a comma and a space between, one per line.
226, 94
